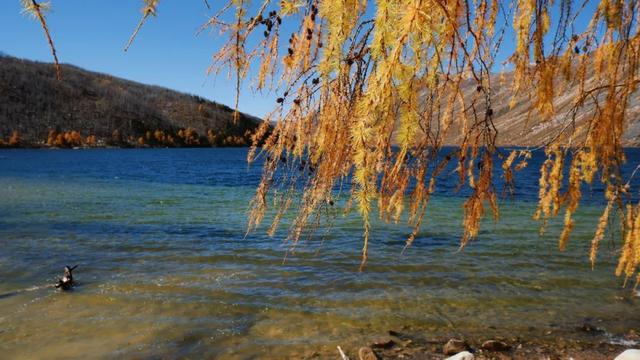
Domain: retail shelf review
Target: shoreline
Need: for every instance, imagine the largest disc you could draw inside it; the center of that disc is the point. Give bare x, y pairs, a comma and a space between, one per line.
44, 147
146, 146
586, 343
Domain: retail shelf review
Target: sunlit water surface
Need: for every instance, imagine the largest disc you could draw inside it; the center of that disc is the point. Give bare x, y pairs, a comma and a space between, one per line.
165, 269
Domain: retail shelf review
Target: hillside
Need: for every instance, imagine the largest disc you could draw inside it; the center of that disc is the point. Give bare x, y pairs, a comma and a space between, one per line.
518, 126
89, 108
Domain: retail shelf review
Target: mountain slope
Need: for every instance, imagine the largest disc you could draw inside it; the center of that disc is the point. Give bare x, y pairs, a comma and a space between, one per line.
518, 126
33, 102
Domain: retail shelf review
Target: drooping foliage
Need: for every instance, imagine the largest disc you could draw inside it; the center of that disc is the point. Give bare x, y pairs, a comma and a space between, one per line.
368, 93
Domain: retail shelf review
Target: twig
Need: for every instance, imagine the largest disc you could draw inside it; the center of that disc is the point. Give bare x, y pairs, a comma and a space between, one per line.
342, 354
135, 32
43, 23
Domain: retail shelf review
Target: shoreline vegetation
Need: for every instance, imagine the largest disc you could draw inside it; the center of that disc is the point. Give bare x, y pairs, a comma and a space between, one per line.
183, 138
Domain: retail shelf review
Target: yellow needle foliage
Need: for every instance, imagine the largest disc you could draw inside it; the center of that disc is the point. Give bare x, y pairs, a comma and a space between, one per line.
368, 92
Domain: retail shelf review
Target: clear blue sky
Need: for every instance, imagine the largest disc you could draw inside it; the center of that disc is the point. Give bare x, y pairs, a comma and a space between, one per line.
167, 52
92, 34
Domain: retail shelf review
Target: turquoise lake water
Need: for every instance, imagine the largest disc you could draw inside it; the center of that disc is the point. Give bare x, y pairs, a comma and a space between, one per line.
165, 270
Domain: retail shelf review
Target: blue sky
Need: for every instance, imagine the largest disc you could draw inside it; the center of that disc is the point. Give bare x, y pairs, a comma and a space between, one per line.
92, 34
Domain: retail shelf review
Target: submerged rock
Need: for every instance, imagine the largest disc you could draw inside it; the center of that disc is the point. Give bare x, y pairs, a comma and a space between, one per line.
465, 355
383, 343
592, 329
454, 346
630, 354
366, 353
495, 345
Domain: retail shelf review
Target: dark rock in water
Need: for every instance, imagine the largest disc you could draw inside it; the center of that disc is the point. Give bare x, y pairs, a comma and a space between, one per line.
383, 343
454, 346
495, 345
66, 283
366, 353
6, 295
592, 329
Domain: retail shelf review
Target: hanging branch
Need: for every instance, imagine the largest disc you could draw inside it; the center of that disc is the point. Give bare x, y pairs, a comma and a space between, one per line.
149, 9
37, 10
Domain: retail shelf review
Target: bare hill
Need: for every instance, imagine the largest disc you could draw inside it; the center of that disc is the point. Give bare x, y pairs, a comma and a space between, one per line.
518, 126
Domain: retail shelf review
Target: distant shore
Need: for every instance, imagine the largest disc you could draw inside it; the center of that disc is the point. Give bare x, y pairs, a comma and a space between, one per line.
45, 147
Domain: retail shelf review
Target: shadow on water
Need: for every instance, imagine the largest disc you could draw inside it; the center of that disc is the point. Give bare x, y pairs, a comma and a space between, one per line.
13, 293
9, 294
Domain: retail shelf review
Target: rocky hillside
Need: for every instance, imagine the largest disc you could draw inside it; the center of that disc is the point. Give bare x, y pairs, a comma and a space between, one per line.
517, 126
88, 108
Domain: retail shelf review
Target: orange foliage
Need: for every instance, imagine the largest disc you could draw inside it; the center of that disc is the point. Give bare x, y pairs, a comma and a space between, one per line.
90, 140
14, 140
211, 136
64, 139
159, 136
51, 138
189, 136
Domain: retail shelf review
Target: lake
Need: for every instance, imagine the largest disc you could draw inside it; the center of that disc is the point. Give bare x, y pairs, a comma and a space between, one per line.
165, 269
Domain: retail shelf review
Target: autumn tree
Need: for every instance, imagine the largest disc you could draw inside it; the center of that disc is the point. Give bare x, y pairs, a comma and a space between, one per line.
159, 136
73, 138
91, 140
51, 137
369, 91
14, 139
189, 136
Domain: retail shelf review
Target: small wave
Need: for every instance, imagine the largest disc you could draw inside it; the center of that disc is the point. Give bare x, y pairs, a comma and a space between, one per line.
619, 340
19, 291
36, 287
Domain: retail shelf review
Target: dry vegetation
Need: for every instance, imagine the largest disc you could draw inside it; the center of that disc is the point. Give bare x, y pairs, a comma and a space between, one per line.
354, 82
86, 109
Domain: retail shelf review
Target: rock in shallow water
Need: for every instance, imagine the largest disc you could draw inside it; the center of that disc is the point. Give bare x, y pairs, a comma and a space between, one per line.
454, 346
631, 354
465, 355
495, 345
383, 343
366, 353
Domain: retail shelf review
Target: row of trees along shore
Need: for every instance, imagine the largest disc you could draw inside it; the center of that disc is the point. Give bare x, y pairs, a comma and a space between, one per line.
188, 137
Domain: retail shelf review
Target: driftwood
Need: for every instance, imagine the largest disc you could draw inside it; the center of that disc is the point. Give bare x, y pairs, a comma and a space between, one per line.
342, 354
66, 283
